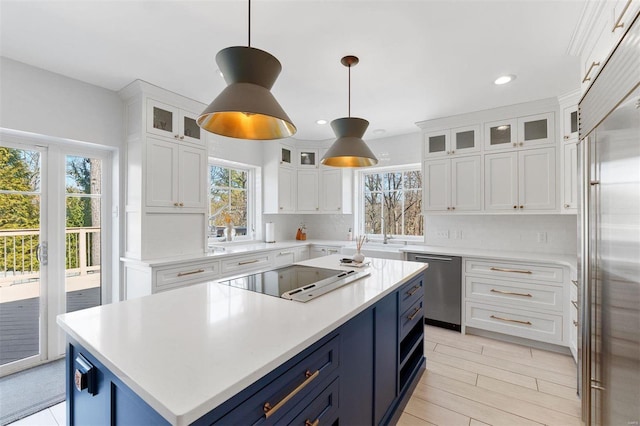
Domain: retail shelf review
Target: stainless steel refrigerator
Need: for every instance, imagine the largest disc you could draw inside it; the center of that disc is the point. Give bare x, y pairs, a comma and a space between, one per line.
609, 243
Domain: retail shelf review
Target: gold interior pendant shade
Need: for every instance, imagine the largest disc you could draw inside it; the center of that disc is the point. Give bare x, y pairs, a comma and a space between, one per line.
349, 150
246, 109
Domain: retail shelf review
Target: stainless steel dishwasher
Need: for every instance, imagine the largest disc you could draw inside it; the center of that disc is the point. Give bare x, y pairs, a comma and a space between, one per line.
442, 289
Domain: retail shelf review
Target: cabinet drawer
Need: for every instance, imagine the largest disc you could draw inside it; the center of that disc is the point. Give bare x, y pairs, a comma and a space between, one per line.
520, 271
410, 317
245, 263
411, 292
279, 397
323, 409
516, 322
511, 293
187, 273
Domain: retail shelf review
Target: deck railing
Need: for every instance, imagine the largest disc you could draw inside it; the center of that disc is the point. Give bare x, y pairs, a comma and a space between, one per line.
19, 260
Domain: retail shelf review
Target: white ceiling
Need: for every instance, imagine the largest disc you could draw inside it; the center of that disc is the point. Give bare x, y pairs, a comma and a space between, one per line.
418, 59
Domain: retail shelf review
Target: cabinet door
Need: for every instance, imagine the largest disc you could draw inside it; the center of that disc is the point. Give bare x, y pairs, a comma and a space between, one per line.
189, 129
286, 156
162, 173
570, 123
500, 134
436, 144
465, 140
307, 194
437, 187
192, 177
465, 183
501, 181
570, 177
331, 191
284, 257
536, 130
308, 158
537, 183
163, 119
286, 190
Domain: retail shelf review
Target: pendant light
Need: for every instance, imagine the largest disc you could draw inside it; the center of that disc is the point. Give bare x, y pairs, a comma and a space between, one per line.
246, 109
349, 150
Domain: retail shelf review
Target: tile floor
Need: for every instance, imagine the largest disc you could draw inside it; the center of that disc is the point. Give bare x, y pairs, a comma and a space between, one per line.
471, 381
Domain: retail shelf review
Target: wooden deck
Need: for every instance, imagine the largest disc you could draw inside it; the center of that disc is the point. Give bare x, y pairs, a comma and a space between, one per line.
19, 322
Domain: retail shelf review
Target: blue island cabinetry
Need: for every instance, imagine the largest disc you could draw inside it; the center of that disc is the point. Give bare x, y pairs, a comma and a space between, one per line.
361, 373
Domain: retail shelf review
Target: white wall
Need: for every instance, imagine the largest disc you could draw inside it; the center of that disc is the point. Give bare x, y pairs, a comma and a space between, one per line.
505, 232
42, 102
397, 150
238, 150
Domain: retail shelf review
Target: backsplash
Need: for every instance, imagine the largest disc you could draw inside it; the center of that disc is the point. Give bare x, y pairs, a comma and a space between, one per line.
319, 226
528, 233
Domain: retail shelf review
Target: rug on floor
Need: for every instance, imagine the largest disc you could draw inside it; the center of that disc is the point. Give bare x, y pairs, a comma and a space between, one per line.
29, 391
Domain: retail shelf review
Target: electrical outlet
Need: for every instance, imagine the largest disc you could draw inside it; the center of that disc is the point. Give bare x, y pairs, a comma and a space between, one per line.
457, 234
542, 237
442, 233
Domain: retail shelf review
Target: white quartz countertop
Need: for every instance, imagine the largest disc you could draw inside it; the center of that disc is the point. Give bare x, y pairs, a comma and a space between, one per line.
188, 350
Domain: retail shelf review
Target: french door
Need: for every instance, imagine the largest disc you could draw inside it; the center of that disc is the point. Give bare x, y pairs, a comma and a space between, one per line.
52, 227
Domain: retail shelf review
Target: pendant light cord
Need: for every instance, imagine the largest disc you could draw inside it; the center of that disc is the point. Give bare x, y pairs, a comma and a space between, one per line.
349, 90
249, 26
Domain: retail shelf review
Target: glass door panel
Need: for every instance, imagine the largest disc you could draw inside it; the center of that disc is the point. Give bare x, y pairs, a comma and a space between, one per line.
20, 246
83, 200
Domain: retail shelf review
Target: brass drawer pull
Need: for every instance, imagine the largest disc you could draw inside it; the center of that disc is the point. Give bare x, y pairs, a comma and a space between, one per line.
519, 271
414, 313
619, 23
574, 303
493, 290
511, 320
182, 274
587, 77
248, 262
413, 290
270, 411
282, 253
315, 423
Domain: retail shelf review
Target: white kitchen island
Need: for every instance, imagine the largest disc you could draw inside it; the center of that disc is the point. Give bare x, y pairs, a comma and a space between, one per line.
186, 352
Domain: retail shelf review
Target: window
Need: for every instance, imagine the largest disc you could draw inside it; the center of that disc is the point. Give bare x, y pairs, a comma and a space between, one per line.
392, 199
230, 200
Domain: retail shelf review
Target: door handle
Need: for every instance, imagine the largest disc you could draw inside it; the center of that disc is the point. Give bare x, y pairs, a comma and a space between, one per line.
446, 259
42, 253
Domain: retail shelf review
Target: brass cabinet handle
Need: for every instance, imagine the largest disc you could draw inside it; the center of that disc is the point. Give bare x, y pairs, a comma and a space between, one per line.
510, 270
587, 77
182, 274
414, 313
522, 207
515, 207
574, 282
181, 137
566, 206
270, 411
176, 204
575, 323
596, 387
181, 204
493, 290
594, 182
619, 23
315, 423
574, 303
282, 253
511, 320
413, 290
176, 136
248, 262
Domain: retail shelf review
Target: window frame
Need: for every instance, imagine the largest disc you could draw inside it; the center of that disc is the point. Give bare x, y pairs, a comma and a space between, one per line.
359, 220
251, 194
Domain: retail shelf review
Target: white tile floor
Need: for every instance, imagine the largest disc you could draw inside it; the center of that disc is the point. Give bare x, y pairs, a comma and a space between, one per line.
52, 416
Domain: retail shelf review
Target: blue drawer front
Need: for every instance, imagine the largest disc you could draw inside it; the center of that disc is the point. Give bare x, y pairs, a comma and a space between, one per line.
411, 292
410, 317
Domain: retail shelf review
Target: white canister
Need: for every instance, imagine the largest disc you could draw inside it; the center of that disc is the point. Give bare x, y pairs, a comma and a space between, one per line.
269, 232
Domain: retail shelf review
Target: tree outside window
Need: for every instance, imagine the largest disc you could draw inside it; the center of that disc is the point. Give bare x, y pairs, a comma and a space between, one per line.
228, 200
395, 199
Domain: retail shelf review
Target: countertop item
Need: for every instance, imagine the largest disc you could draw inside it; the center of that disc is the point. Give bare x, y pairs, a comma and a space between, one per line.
232, 336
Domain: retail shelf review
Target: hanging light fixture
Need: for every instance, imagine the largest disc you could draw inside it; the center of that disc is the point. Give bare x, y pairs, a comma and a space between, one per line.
246, 109
349, 150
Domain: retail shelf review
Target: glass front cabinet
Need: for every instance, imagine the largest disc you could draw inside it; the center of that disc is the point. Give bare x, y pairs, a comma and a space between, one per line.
522, 132
171, 122
458, 141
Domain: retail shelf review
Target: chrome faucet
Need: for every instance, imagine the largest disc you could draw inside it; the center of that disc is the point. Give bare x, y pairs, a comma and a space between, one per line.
385, 240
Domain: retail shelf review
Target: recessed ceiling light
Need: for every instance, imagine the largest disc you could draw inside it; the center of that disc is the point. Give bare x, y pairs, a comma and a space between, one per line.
504, 79
321, 121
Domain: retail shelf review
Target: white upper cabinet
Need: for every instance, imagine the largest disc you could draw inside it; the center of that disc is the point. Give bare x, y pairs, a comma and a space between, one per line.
308, 186
287, 155
523, 132
453, 184
458, 141
308, 158
521, 181
570, 123
175, 176
172, 122
286, 191
331, 190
